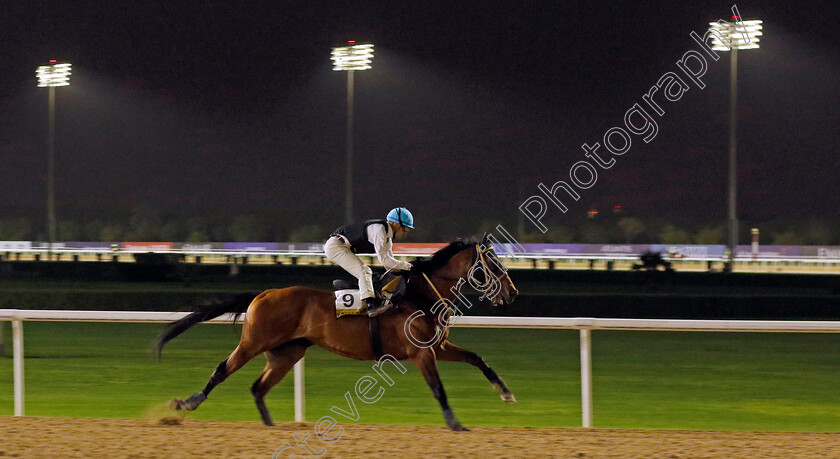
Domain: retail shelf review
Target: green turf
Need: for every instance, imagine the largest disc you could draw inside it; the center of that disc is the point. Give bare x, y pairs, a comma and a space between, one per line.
670, 380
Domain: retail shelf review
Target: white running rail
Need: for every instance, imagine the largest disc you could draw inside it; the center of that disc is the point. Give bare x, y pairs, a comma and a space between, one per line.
584, 324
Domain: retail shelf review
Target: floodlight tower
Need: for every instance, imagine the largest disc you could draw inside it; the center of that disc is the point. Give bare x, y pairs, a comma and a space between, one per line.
351, 58
50, 76
731, 37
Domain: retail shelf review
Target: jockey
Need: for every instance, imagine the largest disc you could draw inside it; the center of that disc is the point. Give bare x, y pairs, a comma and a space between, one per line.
372, 236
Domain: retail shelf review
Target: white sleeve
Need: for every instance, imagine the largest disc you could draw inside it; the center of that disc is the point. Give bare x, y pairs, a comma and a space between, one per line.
382, 244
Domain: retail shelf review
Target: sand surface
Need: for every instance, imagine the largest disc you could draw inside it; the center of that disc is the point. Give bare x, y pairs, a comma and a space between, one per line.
123, 438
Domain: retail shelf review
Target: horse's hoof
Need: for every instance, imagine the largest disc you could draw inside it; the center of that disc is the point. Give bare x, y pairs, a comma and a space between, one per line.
452, 422
508, 398
176, 404
455, 425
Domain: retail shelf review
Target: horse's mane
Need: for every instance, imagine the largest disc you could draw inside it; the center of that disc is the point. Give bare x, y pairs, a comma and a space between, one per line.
440, 258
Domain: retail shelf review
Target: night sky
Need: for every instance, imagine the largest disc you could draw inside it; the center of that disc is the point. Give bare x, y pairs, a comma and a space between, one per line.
222, 108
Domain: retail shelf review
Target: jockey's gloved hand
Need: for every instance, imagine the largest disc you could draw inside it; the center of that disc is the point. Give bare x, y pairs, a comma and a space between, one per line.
414, 265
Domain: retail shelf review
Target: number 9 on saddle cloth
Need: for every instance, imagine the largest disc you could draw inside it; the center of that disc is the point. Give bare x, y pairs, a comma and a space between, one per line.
388, 287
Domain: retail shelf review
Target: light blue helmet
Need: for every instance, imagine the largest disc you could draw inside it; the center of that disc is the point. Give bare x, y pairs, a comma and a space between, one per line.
402, 216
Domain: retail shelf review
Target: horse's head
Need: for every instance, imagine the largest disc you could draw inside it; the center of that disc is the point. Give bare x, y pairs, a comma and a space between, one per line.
475, 263
488, 275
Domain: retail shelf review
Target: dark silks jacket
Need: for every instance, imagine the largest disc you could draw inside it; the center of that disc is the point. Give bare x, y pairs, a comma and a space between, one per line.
356, 234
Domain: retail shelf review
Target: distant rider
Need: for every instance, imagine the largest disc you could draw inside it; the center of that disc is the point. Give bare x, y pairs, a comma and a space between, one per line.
372, 236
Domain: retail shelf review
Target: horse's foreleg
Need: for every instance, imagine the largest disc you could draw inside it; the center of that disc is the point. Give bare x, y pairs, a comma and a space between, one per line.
452, 353
425, 361
280, 360
239, 357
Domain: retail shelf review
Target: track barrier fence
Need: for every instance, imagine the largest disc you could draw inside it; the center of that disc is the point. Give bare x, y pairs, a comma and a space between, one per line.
584, 324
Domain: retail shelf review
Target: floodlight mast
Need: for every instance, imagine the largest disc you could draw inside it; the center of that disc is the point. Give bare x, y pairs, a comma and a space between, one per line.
51, 76
733, 36
351, 58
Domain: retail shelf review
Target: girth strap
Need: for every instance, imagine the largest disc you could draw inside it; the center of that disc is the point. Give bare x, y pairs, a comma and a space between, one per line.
375, 337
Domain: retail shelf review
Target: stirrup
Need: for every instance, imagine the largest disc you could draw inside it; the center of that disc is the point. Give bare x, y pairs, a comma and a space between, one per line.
377, 309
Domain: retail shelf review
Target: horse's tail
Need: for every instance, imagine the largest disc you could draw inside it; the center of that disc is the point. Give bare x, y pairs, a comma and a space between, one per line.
236, 304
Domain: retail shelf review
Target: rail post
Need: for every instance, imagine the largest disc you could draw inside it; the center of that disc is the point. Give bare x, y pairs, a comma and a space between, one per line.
2, 344
300, 393
17, 351
586, 376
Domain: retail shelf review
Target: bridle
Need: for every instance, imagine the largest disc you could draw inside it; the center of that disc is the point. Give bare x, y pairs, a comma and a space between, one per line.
480, 262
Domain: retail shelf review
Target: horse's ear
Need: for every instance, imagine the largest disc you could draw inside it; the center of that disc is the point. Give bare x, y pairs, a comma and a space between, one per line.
484, 239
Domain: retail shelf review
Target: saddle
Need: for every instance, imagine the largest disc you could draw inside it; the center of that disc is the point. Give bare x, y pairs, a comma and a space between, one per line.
387, 287
379, 281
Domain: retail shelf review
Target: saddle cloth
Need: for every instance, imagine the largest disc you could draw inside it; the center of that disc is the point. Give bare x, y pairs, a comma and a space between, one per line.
348, 303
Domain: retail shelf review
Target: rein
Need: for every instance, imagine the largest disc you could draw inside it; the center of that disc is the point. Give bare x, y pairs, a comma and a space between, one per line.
478, 261
431, 284
469, 272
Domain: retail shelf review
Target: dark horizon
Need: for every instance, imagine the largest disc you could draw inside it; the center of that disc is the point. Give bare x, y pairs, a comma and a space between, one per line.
224, 111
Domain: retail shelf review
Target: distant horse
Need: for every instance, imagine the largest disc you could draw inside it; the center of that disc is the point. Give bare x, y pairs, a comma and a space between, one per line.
283, 323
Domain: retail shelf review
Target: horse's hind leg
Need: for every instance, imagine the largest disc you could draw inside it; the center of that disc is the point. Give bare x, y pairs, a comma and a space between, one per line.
239, 357
452, 353
280, 360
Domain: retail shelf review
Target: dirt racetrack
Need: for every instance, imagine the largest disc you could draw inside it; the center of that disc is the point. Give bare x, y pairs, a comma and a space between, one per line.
71, 437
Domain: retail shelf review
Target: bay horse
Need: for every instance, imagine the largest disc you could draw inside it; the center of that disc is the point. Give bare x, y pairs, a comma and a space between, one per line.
283, 323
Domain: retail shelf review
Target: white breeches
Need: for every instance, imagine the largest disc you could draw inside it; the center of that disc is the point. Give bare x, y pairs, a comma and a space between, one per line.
338, 252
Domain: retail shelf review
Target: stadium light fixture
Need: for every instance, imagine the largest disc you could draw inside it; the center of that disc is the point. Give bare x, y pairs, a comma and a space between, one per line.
349, 58
737, 35
352, 57
54, 74
51, 76
732, 36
